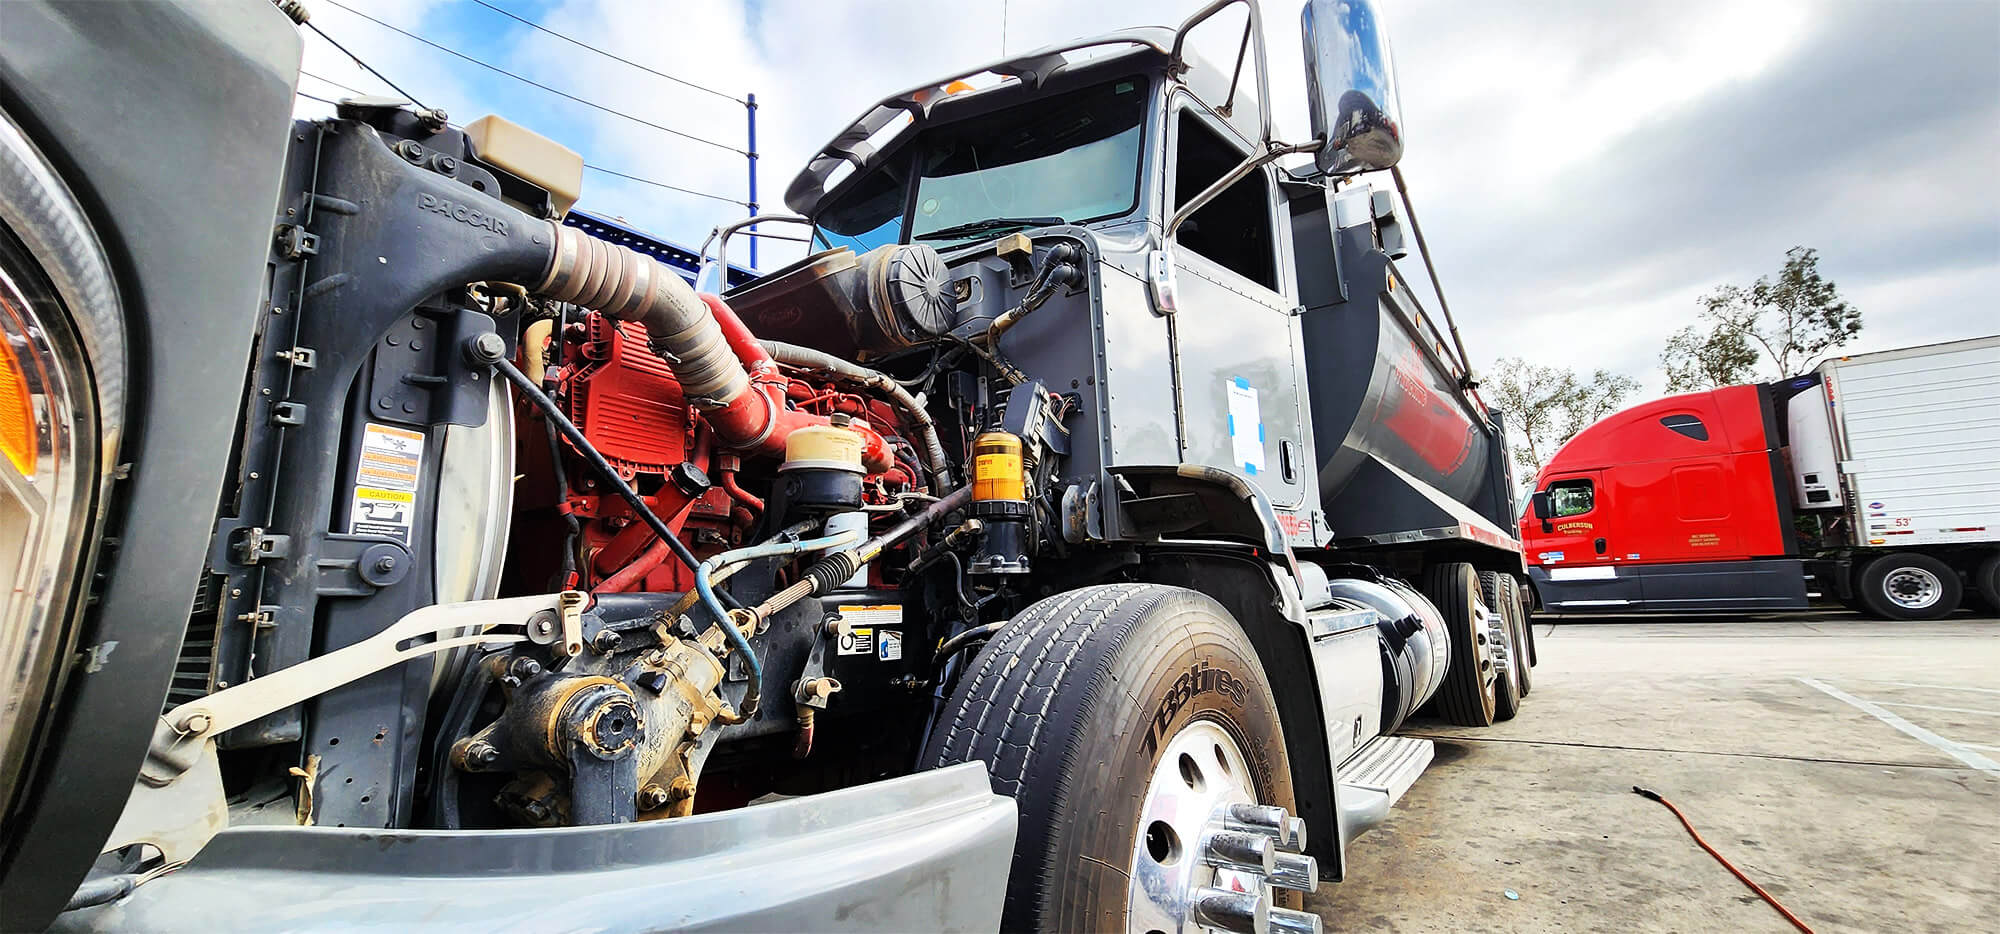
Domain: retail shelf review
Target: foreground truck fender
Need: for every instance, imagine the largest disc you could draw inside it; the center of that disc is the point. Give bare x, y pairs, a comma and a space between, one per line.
1061, 544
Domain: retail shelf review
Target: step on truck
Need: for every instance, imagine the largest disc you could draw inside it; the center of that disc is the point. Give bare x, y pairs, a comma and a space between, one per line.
1060, 545
1869, 481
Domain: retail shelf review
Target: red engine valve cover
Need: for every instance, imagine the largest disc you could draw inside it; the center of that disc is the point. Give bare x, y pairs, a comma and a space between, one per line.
627, 401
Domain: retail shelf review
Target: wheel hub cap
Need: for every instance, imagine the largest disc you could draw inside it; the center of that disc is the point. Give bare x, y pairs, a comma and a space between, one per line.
1912, 588
1207, 855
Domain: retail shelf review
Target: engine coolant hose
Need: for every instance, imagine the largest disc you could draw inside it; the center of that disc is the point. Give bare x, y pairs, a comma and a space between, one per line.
810, 359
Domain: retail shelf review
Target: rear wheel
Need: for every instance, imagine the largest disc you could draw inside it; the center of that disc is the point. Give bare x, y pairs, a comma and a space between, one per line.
1909, 586
1468, 696
1988, 581
1134, 726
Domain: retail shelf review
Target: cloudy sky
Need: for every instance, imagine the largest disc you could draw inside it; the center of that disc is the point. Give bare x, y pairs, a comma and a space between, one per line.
1584, 170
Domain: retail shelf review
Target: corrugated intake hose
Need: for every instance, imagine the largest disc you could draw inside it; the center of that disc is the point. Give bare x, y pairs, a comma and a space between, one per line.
722, 370
626, 285
810, 359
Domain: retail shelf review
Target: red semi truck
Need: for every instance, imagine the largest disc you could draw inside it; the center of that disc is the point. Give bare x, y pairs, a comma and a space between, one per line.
1873, 480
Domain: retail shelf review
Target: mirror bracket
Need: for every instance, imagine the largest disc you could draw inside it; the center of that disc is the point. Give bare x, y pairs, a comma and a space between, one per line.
1266, 152
1253, 42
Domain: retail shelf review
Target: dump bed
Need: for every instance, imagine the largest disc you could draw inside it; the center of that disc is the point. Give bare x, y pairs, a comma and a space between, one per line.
1403, 449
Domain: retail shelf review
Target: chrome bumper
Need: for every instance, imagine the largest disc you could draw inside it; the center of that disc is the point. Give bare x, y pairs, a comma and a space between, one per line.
928, 852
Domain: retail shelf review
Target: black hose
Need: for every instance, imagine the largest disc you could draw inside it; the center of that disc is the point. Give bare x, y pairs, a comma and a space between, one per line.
952, 645
574, 528
603, 467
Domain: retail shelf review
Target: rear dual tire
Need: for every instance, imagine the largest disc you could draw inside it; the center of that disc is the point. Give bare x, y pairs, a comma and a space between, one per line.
1470, 693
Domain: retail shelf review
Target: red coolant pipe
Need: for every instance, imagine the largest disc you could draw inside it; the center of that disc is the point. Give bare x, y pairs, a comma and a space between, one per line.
754, 420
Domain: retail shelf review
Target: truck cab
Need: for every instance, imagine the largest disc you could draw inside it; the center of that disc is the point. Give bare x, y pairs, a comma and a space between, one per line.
1677, 505
1865, 481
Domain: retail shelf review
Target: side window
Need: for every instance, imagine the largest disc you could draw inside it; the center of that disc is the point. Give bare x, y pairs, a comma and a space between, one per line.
1571, 498
1234, 230
1688, 425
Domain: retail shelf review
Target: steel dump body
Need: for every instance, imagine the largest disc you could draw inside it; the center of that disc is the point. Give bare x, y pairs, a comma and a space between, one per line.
1402, 448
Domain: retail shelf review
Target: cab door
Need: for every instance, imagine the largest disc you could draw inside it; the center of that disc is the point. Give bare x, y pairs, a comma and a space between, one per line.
1571, 541
1234, 339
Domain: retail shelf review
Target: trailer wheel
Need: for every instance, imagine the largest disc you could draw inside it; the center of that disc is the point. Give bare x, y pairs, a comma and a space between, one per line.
1500, 633
1127, 720
1468, 695
1909, 586
1988, 582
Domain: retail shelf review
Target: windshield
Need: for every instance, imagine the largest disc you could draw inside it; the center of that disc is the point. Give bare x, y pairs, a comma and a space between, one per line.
1072, 158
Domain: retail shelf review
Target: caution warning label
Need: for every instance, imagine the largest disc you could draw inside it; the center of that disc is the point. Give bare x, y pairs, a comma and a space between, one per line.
385, 489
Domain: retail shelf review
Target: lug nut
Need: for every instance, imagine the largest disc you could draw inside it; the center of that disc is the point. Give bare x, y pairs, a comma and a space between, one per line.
1295, 835
1296, 872
652, 796
1287, 921
1237, 912
1249, 852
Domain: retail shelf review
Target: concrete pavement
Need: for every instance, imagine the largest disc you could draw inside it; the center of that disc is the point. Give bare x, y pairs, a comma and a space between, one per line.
1852, 767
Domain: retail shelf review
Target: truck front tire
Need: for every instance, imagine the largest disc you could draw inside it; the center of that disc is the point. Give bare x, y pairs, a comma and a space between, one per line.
1080, 707
1909, 586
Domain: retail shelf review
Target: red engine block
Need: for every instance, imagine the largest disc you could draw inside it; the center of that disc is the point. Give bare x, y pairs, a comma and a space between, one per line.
630, 407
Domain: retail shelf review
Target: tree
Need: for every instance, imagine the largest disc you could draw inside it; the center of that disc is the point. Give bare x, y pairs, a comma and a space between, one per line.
1782, 325
1547, 405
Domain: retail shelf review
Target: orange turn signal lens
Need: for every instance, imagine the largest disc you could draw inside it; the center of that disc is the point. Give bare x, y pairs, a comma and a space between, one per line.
17, 414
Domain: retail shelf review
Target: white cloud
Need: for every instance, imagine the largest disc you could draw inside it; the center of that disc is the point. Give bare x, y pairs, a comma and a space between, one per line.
1507, 107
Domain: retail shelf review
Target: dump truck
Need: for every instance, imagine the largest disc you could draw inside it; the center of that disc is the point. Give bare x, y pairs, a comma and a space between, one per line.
1868, 481
1061, 544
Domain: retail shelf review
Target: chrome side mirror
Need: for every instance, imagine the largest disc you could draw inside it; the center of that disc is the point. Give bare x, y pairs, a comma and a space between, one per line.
1351, 87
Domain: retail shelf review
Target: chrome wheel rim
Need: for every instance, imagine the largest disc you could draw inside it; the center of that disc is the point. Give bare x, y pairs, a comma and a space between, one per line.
1206, 855
1489, 645
1496, 644
1912, 588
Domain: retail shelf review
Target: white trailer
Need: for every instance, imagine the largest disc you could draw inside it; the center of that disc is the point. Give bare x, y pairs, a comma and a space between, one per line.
1898, 453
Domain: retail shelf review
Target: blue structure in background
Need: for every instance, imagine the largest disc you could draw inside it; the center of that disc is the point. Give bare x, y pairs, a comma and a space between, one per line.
682, 259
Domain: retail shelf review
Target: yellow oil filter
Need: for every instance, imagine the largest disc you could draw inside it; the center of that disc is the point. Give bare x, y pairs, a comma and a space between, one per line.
996, 468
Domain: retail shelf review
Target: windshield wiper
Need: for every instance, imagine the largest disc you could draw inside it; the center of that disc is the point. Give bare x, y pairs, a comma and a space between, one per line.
989, 225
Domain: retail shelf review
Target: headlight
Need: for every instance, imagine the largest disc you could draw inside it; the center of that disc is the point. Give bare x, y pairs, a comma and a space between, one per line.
61, 370
43, 502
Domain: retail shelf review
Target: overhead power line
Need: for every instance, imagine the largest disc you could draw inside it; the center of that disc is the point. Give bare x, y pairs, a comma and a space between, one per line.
364, 65
585, 45
529, 81
323, 78
658, 184
595, 168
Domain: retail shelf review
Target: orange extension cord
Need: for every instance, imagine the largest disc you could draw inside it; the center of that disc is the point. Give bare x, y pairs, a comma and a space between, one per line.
1726, 864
